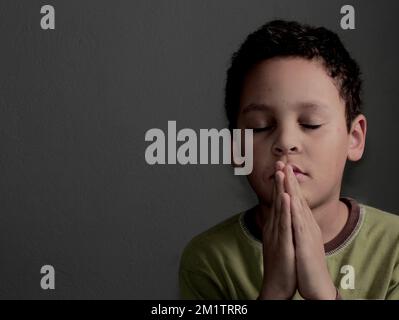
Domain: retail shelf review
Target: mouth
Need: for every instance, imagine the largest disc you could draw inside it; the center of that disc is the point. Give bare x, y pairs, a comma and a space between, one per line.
297, 171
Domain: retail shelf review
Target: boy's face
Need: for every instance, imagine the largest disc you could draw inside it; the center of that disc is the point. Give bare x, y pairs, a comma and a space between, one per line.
289, 94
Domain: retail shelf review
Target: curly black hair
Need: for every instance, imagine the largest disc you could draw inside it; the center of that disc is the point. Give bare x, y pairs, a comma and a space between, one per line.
279, 38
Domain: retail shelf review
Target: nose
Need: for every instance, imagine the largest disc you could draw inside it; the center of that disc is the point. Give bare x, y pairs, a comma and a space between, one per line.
286, 143
284, 150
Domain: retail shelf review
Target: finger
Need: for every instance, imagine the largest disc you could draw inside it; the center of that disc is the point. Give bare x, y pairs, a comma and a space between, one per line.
296, 195
285, 220
296, 206
279, 182
279, 165
297, 223
276, 205
270, 217
298, 191
288, 181
292, 183
280, 176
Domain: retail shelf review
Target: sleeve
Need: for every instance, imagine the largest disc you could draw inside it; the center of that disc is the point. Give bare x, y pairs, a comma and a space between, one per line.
198, 285
393, 289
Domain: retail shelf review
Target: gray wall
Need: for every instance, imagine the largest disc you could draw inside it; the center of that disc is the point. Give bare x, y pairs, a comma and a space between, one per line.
75, 103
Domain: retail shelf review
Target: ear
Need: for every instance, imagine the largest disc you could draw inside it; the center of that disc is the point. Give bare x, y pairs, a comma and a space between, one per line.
357, 138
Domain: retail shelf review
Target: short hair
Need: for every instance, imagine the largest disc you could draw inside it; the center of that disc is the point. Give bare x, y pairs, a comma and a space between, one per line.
279, 38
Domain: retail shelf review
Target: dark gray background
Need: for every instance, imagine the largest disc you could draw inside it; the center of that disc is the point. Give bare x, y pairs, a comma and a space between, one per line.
75, 103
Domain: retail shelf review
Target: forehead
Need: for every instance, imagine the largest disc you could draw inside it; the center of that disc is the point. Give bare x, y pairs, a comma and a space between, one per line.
316, 107
293, 84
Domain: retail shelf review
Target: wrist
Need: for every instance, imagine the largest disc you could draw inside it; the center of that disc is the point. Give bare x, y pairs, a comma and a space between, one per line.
331, 293
268, 293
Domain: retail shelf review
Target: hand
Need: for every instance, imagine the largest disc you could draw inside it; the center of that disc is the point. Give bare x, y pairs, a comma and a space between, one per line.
279, 276
314, 280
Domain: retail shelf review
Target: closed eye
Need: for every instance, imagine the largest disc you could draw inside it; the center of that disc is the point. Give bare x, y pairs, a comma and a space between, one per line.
306, 126
261, 129
310, 126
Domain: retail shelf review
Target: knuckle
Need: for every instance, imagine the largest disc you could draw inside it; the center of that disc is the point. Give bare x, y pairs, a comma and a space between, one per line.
301, 228
294, 201
283, 227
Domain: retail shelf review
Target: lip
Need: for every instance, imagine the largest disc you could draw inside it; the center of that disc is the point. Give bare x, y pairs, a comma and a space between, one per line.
301, 176
296, 169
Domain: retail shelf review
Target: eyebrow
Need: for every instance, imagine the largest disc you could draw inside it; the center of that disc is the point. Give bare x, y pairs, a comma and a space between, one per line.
313, 106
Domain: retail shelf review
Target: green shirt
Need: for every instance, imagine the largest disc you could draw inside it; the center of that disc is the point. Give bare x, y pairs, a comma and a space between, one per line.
226, 261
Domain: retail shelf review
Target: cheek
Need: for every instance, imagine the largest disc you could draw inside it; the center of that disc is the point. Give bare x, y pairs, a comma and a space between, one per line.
261, 156
263, 188
329, 156
262, 168
330, 142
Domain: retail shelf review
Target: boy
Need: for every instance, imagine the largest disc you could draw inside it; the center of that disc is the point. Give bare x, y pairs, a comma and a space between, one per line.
299, 90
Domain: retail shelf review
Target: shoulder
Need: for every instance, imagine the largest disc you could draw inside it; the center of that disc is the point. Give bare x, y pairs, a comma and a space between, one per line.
379, 221
212, 243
